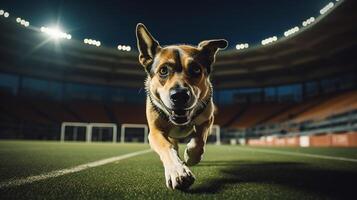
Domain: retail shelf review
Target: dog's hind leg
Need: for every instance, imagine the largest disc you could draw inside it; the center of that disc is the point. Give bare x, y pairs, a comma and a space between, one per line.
196, 147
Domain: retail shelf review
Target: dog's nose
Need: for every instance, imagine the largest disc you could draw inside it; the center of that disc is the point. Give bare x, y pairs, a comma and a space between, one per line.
180, 97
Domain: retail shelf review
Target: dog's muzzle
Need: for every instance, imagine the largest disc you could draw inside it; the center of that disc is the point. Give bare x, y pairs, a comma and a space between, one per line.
180, 98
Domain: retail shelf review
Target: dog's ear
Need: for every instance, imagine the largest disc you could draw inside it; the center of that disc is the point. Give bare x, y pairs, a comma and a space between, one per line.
209, 48
147, 45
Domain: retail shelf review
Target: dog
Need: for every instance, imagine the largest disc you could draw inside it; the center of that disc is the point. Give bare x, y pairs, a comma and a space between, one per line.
179, 101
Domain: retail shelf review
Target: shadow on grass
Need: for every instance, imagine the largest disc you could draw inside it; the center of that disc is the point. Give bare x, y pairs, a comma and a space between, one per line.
332, 183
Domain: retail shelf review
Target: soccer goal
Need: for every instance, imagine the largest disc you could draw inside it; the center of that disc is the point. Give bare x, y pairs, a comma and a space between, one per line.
85, 131
134, 133
215, 135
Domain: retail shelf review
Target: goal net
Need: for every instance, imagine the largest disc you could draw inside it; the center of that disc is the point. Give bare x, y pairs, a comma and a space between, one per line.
134, 133
215, 135
77, 131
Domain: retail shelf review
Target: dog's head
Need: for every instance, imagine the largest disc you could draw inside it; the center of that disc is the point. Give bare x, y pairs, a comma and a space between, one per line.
178, 75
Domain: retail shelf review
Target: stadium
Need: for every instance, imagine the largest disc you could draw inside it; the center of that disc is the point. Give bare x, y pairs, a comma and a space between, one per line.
73, 122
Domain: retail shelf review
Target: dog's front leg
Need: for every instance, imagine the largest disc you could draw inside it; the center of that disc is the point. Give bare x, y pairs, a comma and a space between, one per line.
177, 174
196, 146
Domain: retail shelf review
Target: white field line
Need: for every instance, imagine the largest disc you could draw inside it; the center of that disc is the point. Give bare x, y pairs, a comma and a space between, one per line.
301, 154
61, 172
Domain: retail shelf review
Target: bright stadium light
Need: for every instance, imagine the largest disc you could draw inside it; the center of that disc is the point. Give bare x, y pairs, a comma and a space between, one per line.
22, 22
242, 46
55, 33
326, 8
92, 42
291, 31
269, 40
124, 48
2, 12
308, 21
6, 14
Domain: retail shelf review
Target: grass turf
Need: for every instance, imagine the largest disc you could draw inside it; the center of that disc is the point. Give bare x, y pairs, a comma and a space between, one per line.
228, 172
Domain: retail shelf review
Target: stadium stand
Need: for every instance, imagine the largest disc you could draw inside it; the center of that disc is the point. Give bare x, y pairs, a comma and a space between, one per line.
330, 106
129, 113
257, 113
89, 111
225, 114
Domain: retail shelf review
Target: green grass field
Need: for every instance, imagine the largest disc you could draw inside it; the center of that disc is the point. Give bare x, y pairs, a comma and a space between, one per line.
227, 172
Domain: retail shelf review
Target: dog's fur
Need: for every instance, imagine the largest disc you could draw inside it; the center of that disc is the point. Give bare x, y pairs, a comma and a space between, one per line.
179, 61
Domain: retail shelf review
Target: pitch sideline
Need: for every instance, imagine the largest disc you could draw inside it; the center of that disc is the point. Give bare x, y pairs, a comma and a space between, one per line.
301, 154
61, 172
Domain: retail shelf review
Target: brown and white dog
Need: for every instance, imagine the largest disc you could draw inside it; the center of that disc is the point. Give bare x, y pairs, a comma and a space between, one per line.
179, 101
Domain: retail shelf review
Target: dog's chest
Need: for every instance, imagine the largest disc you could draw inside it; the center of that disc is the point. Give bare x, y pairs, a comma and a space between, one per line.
181, 132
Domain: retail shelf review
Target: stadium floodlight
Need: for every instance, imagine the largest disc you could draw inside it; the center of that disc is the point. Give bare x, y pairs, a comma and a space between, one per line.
2, 12
55, 33
326, 8
291, 31
22, 22
308, 21
92, 42
269, 40
124, 48
242, 46
6, 14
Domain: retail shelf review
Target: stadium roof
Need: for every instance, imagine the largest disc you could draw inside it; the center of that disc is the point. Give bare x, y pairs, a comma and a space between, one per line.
322, 49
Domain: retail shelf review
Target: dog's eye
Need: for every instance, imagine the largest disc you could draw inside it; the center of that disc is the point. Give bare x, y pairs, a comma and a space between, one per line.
195, 70
164, 71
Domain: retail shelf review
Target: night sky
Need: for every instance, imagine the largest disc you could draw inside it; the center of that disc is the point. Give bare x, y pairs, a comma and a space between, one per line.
113, 22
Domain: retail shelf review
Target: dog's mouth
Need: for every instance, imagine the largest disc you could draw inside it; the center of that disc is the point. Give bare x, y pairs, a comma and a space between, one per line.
180, 116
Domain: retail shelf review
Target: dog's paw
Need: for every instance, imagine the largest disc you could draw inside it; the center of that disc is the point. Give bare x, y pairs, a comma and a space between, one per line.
178, 177
192, 157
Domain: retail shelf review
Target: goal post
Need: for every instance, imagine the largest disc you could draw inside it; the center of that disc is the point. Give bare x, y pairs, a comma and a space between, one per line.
88, 129
216, 132
106, 125
138, 126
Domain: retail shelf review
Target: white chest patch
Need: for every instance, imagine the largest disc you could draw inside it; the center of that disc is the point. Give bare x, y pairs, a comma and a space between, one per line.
178, 132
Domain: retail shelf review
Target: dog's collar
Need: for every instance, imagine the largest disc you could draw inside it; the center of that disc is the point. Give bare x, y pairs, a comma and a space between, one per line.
201, 107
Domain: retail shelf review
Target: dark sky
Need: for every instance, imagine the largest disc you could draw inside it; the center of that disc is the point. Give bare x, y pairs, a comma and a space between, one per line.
113, 22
